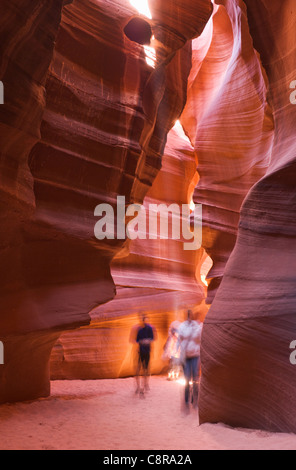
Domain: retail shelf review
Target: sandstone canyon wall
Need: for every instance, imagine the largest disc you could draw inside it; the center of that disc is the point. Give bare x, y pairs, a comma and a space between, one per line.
248, 379
28, 33
85, 119
230, 125
157, 278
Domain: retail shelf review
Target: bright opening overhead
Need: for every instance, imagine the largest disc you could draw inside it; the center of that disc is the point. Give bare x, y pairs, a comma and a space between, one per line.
142, 7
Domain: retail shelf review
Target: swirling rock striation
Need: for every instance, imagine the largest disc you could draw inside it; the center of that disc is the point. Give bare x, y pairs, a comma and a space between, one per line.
248, 379
85, 120
230, 125
28, 31
157, 278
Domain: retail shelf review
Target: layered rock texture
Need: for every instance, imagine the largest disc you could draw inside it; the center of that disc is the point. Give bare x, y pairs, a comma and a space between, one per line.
230, 125
85, 119
248, 379
29, 314
158, 278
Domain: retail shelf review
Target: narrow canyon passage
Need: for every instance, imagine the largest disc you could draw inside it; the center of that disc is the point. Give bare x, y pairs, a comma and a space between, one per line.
184, 109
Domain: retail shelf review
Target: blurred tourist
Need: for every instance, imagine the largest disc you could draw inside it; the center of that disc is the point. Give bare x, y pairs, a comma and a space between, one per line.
189, 341
145, 336
171, 351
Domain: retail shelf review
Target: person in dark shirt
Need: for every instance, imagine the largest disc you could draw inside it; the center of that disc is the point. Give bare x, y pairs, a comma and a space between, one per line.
145, 336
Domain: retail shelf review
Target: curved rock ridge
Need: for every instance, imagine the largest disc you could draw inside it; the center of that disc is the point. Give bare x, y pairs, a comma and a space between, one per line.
87, 119
88, 123
248, 379
230, 125
158, 278
157, 99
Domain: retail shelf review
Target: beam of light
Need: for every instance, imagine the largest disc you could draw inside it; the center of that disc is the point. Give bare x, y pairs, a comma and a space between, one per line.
142, 7
183, 382
150, 55
205, 268
178, 128
203, 279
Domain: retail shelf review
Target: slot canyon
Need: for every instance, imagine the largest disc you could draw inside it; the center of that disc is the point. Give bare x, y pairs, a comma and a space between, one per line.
188, 104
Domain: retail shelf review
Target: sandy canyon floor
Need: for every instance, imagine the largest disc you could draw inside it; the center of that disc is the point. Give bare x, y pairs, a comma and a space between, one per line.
107, 415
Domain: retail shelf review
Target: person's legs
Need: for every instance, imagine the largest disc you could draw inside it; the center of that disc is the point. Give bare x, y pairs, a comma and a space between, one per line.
187, 372
146, 361
138, 370
191, 369
194, 368
195, 374
174, 368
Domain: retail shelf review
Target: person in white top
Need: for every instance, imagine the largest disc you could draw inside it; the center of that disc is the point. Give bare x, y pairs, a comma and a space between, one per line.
189, 342
171, 351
